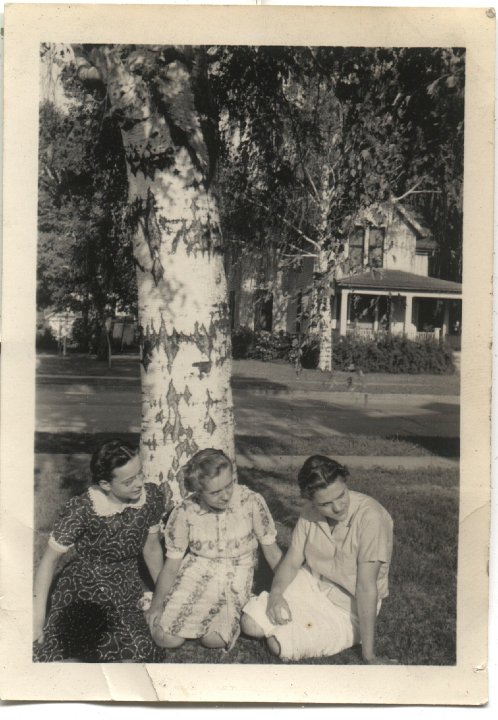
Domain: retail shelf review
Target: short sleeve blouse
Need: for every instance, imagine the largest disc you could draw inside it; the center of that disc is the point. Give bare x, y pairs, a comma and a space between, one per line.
333, 554
232, 533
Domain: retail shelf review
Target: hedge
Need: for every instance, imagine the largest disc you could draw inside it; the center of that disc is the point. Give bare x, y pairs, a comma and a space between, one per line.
385, 353
393, 354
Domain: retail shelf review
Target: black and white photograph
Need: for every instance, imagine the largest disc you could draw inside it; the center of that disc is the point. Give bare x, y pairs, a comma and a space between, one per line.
248, 284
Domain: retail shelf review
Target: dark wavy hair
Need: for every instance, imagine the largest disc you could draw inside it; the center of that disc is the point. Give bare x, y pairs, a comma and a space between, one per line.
317, 473
204, 465
110, 455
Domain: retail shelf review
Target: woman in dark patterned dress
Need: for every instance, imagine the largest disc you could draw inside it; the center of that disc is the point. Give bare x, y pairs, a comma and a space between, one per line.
94, 613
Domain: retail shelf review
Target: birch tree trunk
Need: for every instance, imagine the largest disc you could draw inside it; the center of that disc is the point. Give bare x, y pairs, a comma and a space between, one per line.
323, 264
324, 315
159, 97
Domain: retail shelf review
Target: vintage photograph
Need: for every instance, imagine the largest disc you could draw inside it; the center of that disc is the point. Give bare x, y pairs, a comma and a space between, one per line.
249, 312
246, 364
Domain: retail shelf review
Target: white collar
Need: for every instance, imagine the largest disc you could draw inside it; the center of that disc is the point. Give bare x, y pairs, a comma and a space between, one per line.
105, 507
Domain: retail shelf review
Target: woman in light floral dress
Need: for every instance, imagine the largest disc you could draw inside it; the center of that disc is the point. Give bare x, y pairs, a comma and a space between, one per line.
211, 548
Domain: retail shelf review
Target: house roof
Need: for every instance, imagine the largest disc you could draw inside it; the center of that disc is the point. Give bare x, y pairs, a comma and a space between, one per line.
424, 240
380, 279
413, 219
425, 244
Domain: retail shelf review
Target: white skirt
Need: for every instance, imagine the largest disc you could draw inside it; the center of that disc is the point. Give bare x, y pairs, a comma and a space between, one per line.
318, 627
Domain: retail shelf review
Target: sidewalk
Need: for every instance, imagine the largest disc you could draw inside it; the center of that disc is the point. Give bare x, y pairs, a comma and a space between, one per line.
256, 377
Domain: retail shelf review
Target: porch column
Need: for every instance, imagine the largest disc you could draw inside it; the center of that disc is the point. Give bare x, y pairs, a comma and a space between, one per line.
344, 312
408, 315
376, 315
446, 319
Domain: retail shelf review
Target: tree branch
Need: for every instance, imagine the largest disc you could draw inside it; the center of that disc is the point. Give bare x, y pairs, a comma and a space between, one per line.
286, 222
409, 192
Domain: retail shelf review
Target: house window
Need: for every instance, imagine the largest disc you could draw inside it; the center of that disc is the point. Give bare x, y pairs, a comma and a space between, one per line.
263, 310
362, 309
376, 247
356, 242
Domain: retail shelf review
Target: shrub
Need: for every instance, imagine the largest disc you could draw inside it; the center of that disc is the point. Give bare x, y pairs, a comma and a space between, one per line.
261, 345
269, 346
310, 353
392, 354
45, 340
242, 341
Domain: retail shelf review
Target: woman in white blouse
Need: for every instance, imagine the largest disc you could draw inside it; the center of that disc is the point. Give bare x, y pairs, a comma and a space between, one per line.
328, 589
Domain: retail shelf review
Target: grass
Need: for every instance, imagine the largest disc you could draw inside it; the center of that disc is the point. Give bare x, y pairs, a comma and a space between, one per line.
348, 444
417, 623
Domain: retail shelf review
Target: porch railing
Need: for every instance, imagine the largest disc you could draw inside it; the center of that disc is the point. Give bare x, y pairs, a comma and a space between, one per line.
367, 333
370, 334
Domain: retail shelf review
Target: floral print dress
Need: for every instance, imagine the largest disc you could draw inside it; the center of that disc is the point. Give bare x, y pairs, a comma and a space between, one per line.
215, 579
95, 613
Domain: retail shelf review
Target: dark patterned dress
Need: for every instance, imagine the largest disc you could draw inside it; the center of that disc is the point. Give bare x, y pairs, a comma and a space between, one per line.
215, 578
94, 613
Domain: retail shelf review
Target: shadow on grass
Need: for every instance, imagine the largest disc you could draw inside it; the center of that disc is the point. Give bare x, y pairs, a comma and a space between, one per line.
68, 443
65, 443
448, 447
257, 383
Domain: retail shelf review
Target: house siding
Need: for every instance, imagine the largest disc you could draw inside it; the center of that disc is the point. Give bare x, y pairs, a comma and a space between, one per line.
400, 246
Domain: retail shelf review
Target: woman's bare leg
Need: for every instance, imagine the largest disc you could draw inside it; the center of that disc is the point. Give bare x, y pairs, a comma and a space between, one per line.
250, 627
165, 640
213, 641
274, 646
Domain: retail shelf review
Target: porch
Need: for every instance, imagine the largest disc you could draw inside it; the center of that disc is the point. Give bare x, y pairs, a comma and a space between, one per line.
390, 302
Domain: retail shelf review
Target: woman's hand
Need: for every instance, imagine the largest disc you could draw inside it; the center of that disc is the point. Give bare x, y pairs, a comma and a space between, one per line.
38, 624
379, 660
278, 610
38, 635
153, 615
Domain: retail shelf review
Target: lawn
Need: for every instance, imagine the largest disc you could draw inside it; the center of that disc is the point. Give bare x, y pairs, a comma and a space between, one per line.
417, 623
347, 444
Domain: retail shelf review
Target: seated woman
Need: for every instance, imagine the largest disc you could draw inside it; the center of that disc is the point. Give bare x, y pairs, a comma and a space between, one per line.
95, 612
211, 551
328, 589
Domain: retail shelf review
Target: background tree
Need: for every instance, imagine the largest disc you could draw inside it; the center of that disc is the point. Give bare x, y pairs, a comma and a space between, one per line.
85, 262
352, 139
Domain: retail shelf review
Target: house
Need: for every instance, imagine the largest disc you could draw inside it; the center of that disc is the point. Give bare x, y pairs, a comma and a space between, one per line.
382, 284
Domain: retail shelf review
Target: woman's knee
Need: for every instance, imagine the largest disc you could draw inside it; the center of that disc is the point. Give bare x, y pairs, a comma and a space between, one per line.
213, 641
165, 640
250, 627
274, 646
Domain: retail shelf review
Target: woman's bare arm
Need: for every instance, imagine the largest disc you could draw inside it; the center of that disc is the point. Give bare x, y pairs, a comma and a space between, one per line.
272, 554
153, 555
366, 600
285, 574
164, 584
43, 580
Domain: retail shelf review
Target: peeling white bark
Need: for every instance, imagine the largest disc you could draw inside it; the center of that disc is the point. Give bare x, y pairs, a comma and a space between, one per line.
186, 393
182, 293
324, 314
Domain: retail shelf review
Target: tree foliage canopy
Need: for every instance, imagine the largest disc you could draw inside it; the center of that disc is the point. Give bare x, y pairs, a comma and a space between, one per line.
85, 258
288, 126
